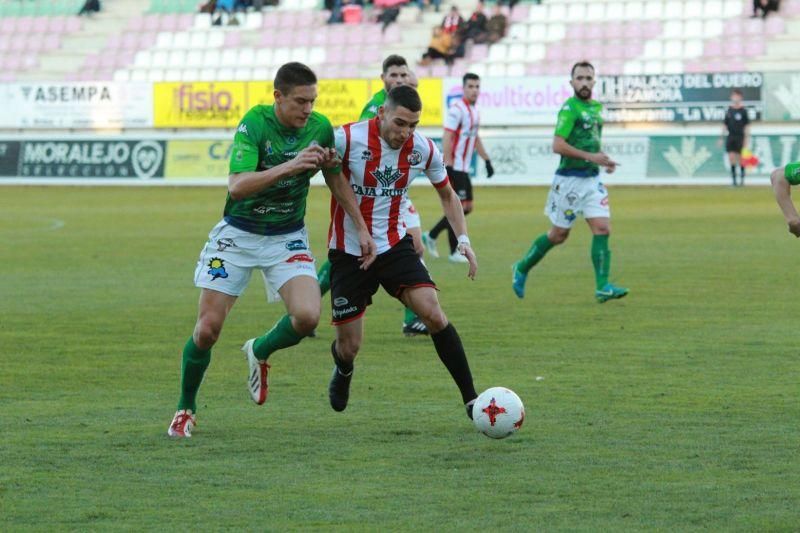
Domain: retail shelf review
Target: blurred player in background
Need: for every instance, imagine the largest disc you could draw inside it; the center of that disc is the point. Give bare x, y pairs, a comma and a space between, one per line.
782, 180
395, 73
459, 141
277, 149
576, 186
737, 127
381, 157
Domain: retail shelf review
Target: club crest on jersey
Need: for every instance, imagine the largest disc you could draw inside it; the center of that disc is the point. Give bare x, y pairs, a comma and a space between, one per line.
268, 147
414, 158
217, 268
387, 176
366, 155
291, 139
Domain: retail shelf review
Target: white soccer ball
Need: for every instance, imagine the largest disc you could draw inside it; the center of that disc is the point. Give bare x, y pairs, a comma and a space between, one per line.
498, 412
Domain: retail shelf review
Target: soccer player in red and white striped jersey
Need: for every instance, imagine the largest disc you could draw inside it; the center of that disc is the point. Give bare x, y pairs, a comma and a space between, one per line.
459, 141
380, 157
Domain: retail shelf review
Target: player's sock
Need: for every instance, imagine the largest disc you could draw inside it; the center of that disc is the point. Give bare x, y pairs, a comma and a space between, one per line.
537, 251
741, 174
451, 238
282, 335
194, 365
451, 352
440, 226
345, 367
324, 276
733, 174
601, 259
410, 316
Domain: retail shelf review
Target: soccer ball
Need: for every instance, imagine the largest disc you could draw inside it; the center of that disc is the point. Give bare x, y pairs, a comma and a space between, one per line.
498, 412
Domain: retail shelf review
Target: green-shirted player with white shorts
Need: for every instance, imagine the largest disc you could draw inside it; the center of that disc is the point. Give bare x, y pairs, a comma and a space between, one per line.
577, 188
782, 180
277, 149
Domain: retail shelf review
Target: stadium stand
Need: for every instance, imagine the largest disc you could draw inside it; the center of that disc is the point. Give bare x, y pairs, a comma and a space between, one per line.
167, 40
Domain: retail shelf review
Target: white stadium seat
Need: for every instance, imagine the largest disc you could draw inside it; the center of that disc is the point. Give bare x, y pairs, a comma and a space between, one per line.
139, 75
225, 74
712, 9
208, 74
121, 75
194, 58
181, 39
673, 49
172, 74
246, 57
537, 33
556, 32
693, 29
215, 39
202, 21
673, 29
634, 10
536, 52
262, 74
673, 9
576, 11
557, 13
498, 52
164, 39
653, 49
692, 48
632, 67
538, 13
615, 11
712, 28
177, 59
516, 52
263, 57
316, 55
198, 40
243, 74
653, 66
497, 70
673, 66
155, 74
190, 74
142, 59
653, 10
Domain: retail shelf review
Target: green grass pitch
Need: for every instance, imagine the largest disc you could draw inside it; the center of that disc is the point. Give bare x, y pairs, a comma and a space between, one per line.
674, 409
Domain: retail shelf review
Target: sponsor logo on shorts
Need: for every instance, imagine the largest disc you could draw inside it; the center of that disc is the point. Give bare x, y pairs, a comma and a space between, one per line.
569, 214
604, 201
339, 313
601, 188
341, 301
300, 258
217, 268
296, 245
222, 244
572, 198
414, 158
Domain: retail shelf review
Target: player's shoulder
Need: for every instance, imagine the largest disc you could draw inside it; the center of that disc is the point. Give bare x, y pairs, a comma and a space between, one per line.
423, 144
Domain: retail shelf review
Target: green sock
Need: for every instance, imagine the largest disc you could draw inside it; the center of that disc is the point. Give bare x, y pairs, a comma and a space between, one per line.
601, 259
410, 316
537, 251
193, 367
324, 276
282, 335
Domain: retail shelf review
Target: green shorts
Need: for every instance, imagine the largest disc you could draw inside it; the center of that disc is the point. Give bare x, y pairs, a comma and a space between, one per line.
792, 173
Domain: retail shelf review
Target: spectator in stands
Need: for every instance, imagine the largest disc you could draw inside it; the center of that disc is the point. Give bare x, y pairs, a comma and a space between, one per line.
476, 25
496, 27
439, 47
387, 16
89, 7
452, 21
435, 3
765, 6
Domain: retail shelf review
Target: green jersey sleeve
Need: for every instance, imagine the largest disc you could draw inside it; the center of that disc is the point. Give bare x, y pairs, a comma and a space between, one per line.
566, 121
246, 142
792, 173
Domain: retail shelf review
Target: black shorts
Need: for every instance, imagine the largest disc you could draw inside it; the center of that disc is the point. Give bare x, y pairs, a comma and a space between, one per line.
352, 288
461, 184
734, 143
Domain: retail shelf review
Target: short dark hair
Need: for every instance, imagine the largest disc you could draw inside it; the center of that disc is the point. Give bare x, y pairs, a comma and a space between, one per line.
292, 75
394, 60
406, 96
737, 91
580, 64
469, 76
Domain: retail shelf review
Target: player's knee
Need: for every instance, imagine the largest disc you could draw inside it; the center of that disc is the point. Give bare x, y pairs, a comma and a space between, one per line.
434, 318
206, 333
305, 321
347, 348
777, 175
557, 236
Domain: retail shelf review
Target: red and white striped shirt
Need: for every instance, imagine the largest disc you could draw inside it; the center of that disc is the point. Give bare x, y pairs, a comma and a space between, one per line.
462, 121
379, 176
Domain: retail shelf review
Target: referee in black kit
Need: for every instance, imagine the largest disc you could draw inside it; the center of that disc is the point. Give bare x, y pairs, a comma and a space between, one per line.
737, 126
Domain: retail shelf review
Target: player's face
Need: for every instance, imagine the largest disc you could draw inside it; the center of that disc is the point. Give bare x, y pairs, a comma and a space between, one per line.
736, 100
294, 107
583, 82
472, 89
397, 125
395, 77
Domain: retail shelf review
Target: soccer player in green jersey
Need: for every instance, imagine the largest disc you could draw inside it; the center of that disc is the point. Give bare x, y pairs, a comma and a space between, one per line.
395, 73
576, 187
277, 149
782, 180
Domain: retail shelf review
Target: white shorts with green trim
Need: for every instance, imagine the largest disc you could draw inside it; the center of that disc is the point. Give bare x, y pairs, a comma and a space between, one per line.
231, 254
570, 197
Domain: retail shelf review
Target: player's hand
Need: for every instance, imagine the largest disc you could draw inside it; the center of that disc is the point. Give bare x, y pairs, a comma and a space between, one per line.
466, 250
489, 169
794, 227
310, 158
602, 159
331, 159
610, 169
368, 249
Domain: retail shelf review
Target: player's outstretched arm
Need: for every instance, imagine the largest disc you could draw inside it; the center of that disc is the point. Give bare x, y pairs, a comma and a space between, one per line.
783, 195
562, 147
244, 184
340, 188
451, 205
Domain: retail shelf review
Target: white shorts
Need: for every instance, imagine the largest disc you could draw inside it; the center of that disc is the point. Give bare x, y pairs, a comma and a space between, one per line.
570, 197
410, 214
231, 254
